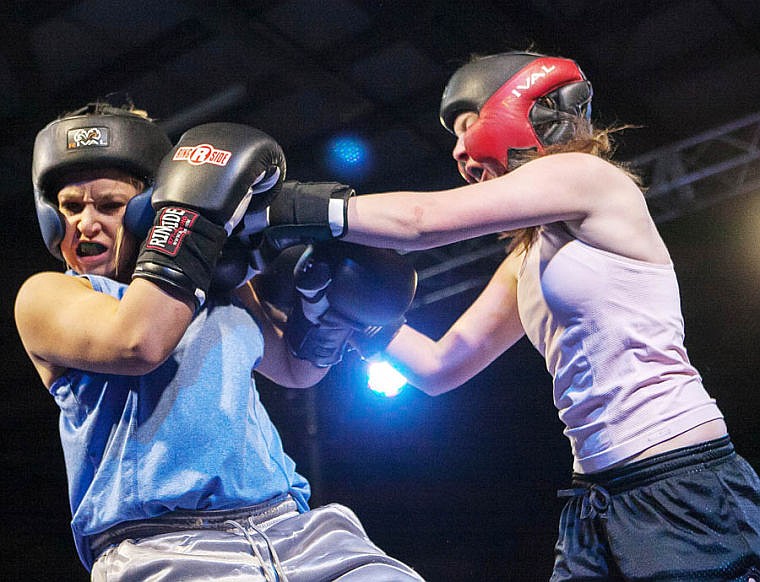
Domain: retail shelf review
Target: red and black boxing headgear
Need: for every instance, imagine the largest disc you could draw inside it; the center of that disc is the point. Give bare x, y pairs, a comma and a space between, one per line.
524, 101
95, 136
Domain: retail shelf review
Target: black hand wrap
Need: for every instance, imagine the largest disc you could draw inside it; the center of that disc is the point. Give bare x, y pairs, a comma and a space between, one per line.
179, 253
301, 213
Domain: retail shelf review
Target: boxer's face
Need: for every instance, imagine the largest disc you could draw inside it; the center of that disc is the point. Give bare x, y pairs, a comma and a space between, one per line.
471, 170
93, 205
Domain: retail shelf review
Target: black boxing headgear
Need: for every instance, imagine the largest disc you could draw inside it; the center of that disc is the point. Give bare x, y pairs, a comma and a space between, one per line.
523, 100
94, 137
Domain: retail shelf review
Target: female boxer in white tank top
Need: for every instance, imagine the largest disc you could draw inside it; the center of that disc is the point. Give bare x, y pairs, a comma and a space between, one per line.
658, 492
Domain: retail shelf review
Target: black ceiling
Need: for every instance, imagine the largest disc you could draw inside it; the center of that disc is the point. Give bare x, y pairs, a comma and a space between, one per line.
308, 70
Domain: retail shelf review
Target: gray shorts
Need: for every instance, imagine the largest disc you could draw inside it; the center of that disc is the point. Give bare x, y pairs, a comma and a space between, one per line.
328, 543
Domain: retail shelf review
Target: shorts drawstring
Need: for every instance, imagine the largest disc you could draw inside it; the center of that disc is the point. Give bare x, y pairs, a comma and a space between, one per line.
278, 575
594, 503
595, 500
272, 552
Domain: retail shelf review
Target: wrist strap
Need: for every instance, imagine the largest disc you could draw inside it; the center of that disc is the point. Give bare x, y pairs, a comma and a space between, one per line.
180, 253
337, 211
375, 338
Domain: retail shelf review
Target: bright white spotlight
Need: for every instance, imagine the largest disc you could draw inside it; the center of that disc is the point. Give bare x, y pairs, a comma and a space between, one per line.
385, 379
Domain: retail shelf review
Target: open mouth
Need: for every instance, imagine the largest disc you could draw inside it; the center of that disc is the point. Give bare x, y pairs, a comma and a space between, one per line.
90, 249
475, 174
472, 174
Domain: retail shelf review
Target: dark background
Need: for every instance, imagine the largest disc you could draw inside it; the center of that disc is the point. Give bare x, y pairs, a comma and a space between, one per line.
462, 487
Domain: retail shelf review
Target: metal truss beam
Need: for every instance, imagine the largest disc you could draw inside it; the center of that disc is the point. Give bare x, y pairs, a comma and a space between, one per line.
681, 178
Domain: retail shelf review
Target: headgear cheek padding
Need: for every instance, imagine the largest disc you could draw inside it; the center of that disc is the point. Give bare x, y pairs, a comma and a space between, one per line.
523, 101
94, 137
52, 224
138, 218
139, 214
505, 122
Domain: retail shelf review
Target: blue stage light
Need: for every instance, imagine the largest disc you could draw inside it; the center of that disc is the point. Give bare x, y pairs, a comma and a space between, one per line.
348, 156
385, 379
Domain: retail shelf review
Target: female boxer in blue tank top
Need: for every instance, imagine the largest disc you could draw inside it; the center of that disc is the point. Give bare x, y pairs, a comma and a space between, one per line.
175, 470
658, 491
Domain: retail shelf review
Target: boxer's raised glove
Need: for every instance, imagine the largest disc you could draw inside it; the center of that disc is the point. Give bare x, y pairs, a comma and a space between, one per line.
307, 212
203, 188
348, 293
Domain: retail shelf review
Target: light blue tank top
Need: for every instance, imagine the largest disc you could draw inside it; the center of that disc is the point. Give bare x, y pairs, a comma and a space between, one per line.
190, 435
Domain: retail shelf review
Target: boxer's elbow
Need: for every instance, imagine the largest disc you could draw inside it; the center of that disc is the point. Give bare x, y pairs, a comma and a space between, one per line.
146, 331
140, 351
140, 359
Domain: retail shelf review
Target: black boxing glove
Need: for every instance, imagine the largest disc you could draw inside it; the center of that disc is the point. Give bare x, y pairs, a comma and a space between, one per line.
312, 333
307, 212
275, 284
245, 254
233, 268
348, 294
203, 188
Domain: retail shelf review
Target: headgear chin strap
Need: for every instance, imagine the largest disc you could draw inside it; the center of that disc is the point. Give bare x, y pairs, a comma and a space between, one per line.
523, 100
94, 137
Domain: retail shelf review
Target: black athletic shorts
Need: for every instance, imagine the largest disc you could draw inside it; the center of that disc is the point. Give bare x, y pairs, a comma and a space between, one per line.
685, 515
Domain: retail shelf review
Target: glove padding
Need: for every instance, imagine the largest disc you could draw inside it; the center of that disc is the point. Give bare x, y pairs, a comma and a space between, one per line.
203, 188
245, 254
221, 169
275, 283
234, 267
308, 212
348, 294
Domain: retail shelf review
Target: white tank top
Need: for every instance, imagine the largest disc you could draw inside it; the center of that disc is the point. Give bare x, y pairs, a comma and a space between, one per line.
611, 331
